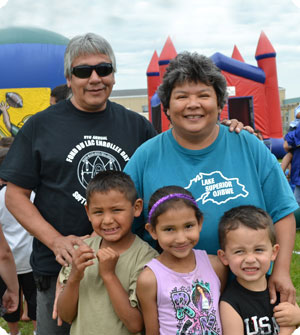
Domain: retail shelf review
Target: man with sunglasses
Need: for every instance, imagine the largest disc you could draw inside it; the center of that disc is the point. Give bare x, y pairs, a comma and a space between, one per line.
57, 152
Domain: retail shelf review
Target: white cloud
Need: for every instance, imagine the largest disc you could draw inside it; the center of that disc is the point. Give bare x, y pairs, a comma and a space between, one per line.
138, 27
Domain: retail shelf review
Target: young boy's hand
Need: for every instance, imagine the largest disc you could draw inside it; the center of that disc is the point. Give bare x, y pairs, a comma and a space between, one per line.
82, 258
287, 314
108, 259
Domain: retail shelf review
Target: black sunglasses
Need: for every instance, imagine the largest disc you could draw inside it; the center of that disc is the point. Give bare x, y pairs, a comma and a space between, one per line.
85, 71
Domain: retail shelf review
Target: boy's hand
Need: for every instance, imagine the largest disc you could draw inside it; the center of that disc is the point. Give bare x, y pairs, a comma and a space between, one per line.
82, 258
108, 259
287, 314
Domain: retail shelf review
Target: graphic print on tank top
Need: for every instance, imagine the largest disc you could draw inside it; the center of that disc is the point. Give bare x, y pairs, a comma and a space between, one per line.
194, 310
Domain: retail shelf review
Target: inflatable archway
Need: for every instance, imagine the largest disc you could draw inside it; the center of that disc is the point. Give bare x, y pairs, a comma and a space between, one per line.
31, 63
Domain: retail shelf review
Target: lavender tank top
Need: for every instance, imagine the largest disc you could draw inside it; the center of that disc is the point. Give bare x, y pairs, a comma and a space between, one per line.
188, 302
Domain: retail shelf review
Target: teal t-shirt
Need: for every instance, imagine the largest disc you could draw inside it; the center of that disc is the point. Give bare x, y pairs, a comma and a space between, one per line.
237, 169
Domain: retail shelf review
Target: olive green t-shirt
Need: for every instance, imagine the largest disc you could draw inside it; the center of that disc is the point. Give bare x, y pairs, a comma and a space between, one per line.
96, 315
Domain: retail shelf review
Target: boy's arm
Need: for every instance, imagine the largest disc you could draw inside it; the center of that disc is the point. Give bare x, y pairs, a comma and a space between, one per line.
68, 298
220, 269
146, 292
130, 316
232, 323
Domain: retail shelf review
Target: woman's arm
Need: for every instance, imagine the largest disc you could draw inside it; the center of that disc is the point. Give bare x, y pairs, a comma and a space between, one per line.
280, 279
220, 269
146, 293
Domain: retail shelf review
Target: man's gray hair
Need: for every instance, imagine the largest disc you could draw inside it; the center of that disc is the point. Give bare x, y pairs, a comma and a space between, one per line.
88, 44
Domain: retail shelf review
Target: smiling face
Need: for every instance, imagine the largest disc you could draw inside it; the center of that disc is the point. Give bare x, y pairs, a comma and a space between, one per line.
177, 231
194, 113
91, 94
249, 253
111, 215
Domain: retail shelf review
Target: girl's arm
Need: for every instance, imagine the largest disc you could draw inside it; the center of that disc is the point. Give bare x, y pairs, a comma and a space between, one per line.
220, 269
146, 292
232, 323
130, 316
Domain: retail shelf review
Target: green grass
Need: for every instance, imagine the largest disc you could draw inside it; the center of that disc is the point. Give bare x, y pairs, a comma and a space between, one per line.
295, 267
27, 328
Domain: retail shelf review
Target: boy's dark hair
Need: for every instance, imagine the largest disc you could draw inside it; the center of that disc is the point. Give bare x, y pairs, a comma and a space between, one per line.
248, 216
166, 205
106, 181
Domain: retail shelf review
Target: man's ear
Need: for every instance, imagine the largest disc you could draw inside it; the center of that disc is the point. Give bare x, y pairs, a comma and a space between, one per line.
68, 82
138, 207
151, 230
222, 257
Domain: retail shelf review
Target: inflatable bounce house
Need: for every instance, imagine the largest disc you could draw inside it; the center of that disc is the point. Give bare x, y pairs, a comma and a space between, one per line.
31, 64
253, 95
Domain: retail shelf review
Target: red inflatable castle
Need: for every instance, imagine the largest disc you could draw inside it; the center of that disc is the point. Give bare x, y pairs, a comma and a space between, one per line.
253, 95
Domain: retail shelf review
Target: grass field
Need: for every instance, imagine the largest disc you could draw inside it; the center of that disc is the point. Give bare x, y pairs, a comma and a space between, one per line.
27, 329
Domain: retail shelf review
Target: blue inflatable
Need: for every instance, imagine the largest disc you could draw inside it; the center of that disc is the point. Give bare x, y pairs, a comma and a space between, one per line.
31, 57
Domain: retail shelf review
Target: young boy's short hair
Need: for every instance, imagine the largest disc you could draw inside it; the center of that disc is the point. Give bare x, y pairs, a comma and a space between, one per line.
106, 181
248, 216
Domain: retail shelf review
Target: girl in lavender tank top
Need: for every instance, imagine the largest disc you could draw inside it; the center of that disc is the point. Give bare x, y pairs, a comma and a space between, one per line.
179, 290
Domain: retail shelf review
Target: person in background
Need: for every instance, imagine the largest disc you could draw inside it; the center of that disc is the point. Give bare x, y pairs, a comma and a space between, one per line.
291, 145
59, 93
294, 124
20, 242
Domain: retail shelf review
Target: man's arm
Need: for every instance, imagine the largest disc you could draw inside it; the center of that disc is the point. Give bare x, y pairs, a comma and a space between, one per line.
8, 273
146, 292
18, 202
130, 316
280, 279
232, 323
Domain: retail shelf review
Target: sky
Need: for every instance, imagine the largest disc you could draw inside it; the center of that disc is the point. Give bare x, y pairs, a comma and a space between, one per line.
136, 28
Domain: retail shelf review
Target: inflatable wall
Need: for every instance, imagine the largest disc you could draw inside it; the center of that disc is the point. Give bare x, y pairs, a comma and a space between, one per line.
31, 64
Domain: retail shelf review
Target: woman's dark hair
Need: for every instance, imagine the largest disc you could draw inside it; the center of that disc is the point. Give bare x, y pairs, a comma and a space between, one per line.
195, 68
170, 203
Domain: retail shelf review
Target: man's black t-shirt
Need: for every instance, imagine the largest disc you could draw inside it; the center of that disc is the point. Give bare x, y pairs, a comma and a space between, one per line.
58, 151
